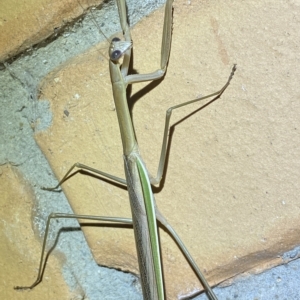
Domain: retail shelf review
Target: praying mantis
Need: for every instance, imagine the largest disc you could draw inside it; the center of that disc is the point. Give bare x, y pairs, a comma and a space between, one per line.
145, 214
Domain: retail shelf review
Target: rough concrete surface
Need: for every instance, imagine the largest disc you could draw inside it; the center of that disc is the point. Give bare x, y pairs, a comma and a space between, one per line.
19, 248
27, 23
230, 188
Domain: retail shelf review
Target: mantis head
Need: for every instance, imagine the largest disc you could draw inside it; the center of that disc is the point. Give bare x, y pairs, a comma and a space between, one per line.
118, 48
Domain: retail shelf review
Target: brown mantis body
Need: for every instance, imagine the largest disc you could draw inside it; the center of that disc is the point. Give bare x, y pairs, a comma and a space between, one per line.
145, 214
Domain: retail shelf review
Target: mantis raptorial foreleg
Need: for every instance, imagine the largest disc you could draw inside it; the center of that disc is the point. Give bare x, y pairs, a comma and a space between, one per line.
145, 213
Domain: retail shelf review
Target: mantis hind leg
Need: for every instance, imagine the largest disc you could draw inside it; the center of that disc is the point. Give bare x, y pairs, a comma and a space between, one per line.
187, 255
43, 258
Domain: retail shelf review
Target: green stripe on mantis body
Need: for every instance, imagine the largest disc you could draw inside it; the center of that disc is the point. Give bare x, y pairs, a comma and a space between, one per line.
152, 225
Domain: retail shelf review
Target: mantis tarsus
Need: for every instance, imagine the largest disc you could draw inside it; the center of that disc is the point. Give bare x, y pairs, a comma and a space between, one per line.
145, 213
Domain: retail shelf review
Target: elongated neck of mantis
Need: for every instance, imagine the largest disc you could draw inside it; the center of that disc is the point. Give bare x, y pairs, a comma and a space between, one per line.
124, 118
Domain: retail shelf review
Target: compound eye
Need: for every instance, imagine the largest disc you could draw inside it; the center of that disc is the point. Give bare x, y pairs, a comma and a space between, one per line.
115, 55
115, 39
